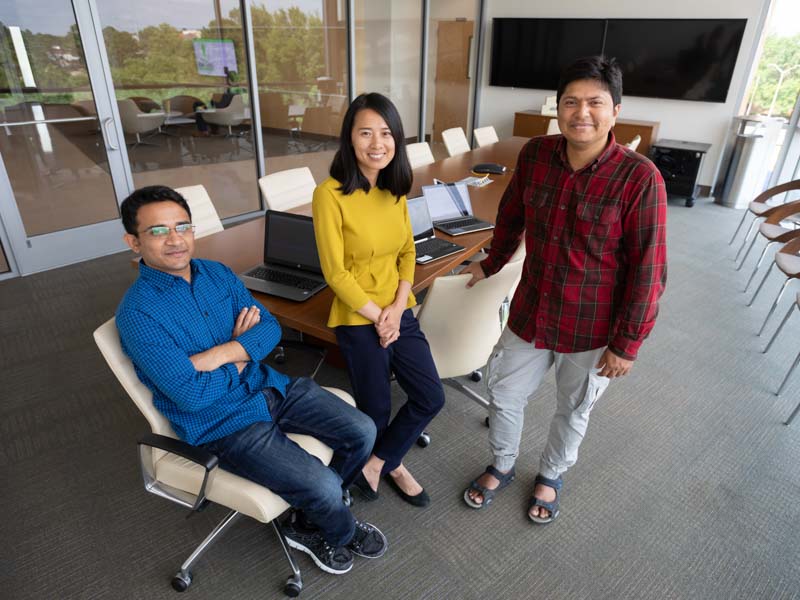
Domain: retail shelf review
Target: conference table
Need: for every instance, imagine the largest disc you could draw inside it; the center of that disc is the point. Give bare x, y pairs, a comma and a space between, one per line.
242, 246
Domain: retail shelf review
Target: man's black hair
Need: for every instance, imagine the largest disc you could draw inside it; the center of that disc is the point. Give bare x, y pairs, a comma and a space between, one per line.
147, 195
396, 176
606, 71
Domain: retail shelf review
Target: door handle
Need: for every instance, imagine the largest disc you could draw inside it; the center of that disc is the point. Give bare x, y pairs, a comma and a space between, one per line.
106, 122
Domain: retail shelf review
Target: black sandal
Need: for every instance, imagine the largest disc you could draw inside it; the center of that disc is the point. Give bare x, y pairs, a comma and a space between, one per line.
488, 494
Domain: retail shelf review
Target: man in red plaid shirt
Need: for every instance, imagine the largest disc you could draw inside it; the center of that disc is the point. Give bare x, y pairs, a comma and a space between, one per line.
593, 215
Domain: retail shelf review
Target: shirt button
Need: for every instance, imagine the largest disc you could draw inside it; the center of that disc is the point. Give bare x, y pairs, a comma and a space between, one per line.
549, 266
545, 294
563, 207
555, 237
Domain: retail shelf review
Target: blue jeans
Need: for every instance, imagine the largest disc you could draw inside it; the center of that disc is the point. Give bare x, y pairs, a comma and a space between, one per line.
370, 368
262, 453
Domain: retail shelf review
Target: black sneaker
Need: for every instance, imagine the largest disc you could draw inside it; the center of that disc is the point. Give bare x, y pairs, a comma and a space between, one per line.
368, 541
331, 560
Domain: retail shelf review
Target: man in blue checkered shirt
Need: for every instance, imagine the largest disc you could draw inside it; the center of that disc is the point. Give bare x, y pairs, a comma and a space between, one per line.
196, 337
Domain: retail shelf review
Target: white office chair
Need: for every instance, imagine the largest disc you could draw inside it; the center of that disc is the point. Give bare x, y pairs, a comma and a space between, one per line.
419, 154
552, 127
455, 141
190, 476
204, 215
463, 324
485, 136
230, 116
634, 143
286, 189
136, 122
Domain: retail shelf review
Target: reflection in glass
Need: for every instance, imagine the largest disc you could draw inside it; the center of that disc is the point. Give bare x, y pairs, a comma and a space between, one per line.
179, 71
451, 63
301, 66
49, 140
388, 37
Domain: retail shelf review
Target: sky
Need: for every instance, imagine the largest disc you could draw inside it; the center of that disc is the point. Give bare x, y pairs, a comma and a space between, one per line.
785, 19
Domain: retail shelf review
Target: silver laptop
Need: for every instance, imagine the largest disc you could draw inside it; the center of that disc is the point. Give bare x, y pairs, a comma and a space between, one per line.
291, 266
429, 247
451, 209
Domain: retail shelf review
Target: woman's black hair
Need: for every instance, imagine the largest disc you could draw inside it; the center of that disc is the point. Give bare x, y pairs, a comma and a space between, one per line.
395, 177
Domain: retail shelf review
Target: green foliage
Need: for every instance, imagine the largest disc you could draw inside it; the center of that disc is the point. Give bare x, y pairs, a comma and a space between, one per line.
289, 47
783, 52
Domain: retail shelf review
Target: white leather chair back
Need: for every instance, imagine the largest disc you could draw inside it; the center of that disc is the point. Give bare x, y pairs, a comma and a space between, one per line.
455, 141
107, 339
419, 154
204, 215
485, 136
286, 189
462, 324
634, 143
552, 127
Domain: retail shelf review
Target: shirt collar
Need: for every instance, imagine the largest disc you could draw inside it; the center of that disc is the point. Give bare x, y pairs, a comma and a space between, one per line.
611, 147
165, 281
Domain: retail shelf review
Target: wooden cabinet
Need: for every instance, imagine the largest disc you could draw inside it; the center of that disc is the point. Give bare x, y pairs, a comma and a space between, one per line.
529, 123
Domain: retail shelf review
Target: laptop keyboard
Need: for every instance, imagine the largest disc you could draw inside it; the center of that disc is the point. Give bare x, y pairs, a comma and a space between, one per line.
461, 222
302, 283
432, 246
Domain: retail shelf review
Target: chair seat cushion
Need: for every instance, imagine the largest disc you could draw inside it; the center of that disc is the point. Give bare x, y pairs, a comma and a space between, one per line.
758, 208
770, 231
788, 263
230, 490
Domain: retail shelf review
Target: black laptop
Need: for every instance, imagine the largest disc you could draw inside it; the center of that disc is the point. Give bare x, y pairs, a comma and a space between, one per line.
451, 209
429, 247
291, 266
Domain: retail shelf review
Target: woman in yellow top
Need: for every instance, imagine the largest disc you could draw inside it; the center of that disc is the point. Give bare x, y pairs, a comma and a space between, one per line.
366, 249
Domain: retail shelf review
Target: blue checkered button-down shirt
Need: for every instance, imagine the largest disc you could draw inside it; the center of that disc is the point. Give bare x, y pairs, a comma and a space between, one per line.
163, 320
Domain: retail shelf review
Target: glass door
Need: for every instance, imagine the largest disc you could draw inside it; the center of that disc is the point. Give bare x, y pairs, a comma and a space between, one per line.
62, 170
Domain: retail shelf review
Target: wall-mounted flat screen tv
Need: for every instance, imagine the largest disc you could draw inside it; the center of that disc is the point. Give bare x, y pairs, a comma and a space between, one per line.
685, 59
530, 53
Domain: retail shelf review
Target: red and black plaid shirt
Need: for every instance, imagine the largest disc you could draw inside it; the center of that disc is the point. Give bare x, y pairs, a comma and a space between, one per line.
596, 247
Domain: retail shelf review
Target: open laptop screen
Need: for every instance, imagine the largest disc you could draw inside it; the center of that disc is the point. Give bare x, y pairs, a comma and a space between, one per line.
289, 240
421, 223
447, 201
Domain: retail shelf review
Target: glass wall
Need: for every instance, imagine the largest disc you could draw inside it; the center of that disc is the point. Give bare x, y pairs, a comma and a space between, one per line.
452, 44
50, 143
301, 72
180, 74
388, 37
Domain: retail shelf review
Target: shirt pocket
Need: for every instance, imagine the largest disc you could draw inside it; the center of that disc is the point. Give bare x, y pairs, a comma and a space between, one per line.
538, 205
597, 227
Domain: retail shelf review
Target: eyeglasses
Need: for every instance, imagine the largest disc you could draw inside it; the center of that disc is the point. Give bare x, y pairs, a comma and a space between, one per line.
163, 230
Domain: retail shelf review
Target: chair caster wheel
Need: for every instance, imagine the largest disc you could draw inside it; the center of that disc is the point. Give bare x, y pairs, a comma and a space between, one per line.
181, 581
424, 439
689, 202
486, 421
293, 587
476, 376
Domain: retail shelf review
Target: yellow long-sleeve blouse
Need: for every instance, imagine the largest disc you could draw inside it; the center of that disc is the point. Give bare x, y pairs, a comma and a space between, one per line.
365, 248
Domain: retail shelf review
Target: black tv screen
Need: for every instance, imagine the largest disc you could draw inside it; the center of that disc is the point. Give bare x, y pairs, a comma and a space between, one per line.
684, 59
531, 53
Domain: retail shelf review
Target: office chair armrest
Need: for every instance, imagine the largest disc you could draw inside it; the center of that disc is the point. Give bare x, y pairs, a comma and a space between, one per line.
199, 456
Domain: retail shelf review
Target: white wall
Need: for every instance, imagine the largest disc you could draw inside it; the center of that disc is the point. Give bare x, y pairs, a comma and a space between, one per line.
679, 119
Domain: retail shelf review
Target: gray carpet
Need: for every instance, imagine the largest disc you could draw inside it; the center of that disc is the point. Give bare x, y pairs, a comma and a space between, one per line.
687, 486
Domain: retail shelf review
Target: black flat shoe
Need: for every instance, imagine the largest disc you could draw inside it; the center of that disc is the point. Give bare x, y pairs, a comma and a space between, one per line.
421, 499
364, 488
